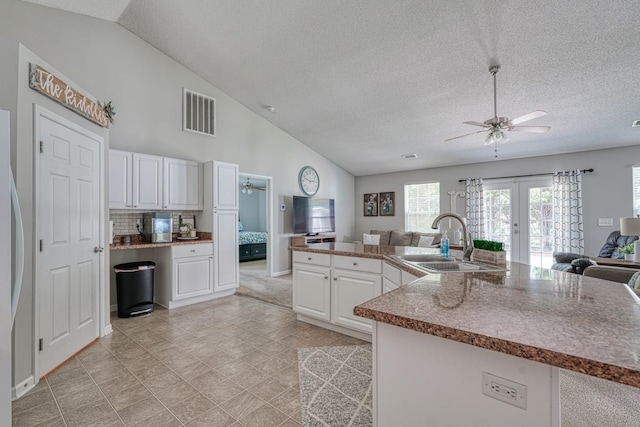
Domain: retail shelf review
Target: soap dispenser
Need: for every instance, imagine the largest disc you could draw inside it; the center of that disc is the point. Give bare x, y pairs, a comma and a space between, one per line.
444, 246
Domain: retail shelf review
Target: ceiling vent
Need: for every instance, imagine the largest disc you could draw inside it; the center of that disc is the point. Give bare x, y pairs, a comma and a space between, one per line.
198, 113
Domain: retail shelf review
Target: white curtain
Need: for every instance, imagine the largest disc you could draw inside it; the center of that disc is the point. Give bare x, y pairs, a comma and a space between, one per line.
475, 208
567, 212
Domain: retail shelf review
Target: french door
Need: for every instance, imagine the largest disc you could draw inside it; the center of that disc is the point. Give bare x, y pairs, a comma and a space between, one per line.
519, 214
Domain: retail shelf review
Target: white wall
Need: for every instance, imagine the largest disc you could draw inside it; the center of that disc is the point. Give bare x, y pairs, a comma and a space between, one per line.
145, 86
607, 193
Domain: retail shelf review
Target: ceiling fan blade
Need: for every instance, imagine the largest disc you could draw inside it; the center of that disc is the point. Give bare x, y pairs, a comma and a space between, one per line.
526, 117
467, 134
476, 124
532, 129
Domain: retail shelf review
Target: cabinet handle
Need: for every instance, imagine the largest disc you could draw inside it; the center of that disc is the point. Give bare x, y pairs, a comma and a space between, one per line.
135, 206
326, 277
309, 259
335, 278
355, 263
192, 250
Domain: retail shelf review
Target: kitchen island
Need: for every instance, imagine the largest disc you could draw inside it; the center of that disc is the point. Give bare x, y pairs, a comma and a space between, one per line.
440, 341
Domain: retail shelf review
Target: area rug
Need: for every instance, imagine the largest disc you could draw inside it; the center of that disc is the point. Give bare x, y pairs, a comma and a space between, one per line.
335, 391
335, 386
274, 290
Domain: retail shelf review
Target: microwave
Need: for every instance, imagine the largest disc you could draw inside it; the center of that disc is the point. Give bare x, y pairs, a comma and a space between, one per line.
157, 227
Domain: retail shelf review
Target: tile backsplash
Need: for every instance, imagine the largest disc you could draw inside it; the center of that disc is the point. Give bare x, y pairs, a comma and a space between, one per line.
124, 221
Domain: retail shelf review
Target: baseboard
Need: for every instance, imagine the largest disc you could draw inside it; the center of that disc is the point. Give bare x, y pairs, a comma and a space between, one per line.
22, 388
107, 330
336, 328
281, 273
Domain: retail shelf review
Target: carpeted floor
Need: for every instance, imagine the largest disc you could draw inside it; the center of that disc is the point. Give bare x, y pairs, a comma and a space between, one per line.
335, 386
335, 391
255, 283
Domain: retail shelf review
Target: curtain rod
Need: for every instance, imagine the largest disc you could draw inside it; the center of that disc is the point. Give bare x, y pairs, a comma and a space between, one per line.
527, 176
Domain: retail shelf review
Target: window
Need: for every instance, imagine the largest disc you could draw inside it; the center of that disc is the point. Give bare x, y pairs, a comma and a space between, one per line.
421, 206
636, 191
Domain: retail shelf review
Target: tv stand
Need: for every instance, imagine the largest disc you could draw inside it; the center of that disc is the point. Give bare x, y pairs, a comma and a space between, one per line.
307, 240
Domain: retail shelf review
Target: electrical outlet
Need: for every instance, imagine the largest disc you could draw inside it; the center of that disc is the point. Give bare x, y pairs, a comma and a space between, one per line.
505, 390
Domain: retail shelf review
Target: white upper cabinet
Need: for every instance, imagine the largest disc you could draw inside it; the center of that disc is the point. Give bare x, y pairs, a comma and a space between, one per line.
120, 179
147, 181
225, 186
182, 184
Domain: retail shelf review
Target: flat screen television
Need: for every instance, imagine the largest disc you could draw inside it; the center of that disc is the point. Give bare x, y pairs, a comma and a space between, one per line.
312, 215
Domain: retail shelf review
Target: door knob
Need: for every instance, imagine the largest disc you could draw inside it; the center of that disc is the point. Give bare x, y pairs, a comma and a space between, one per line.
98, 249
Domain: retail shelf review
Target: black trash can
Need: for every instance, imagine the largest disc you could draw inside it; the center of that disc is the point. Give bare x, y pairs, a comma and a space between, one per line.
134, 288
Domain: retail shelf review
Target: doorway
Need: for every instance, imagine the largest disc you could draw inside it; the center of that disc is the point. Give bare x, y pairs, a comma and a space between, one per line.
69, 202
519, 214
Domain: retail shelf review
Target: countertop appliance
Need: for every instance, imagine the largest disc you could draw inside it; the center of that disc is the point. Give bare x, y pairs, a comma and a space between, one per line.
157, 227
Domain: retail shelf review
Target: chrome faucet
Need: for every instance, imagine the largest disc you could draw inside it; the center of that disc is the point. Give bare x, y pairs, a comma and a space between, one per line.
467, 243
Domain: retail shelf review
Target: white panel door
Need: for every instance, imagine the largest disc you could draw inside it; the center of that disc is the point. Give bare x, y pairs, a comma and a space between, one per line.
225, 250
182, 184
69, 220
312, 291
225, 186
147, 181
120, 175
349, 289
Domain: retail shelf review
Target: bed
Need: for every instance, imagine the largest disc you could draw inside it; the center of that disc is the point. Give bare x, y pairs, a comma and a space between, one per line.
252, 245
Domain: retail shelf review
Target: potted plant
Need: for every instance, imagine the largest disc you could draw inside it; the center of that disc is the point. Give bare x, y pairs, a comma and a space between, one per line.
489, 251
627, 250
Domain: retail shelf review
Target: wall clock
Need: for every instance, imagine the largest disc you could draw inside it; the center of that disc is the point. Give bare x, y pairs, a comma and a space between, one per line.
309, 180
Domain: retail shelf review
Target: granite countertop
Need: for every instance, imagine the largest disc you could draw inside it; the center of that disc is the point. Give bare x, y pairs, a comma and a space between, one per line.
136, 243
578, 323
561, 319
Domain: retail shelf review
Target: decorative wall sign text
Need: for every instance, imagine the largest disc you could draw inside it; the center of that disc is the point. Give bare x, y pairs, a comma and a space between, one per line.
49, 85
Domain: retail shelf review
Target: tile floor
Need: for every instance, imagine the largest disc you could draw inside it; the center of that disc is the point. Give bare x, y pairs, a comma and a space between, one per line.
228, 362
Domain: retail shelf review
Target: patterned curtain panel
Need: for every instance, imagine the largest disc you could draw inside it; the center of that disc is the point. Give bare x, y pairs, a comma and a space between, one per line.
475, 208
567, 212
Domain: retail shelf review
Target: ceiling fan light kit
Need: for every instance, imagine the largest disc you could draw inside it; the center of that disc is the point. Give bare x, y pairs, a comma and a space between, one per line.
497, 127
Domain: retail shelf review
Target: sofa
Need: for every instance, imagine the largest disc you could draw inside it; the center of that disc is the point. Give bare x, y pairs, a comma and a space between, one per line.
405, 238
615, 274
576, 263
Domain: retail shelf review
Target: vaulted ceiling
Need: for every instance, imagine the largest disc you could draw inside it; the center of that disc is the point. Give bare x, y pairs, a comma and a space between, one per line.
364, 82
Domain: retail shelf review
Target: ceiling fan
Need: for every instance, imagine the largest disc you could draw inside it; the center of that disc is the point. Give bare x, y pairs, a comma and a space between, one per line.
248, 187
497, 126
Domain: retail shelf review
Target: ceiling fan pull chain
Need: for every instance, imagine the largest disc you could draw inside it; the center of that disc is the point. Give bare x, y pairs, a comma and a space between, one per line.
495, 145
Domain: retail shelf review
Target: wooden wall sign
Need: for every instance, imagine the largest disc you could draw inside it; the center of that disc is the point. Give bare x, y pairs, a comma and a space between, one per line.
49, 85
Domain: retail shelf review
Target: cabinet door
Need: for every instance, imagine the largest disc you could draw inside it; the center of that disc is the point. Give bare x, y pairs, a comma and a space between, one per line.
120, 175
312, 291
192, 276
408, 277
225, 250
182, 184
350, 288
225, 186
147, 181
388, 285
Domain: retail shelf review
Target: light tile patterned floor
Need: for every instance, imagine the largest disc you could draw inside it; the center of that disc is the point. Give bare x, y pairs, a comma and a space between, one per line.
228, 362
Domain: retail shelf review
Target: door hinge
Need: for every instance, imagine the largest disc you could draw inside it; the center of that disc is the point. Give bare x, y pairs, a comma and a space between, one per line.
40, 344
41, 146
41, 245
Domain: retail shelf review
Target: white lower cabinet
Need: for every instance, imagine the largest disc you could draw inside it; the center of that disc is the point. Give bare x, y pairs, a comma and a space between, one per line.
184, 275
312, 295
349, 289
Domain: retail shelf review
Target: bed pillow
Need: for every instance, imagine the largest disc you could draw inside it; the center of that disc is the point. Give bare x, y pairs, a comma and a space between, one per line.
240, 226
370, 239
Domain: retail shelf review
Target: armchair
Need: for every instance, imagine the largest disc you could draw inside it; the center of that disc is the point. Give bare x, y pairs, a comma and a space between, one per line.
575, 263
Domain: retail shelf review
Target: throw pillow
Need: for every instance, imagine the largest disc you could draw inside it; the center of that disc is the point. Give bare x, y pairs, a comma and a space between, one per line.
425, 241
370, 239
401, 238
634, 281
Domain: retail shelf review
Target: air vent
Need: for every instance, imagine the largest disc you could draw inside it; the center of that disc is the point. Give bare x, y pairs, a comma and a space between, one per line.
409, 156
198, 113
635, 124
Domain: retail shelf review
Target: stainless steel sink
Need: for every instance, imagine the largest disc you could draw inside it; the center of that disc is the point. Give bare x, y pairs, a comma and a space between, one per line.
432, 263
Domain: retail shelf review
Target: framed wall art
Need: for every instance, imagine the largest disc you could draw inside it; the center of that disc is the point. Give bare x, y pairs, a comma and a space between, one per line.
370, 204
387, 203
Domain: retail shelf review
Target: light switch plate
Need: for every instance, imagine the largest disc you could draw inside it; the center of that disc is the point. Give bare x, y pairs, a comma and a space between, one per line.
605, 222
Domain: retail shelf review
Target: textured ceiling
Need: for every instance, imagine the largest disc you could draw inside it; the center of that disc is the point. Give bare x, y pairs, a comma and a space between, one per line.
363, 82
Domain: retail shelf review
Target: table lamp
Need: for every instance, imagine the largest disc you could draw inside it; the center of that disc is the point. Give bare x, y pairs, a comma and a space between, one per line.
631, 227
